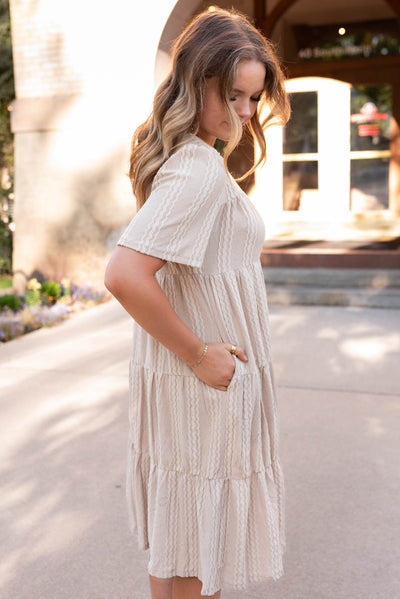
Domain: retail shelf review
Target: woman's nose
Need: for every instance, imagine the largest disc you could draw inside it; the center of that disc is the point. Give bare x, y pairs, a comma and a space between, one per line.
243, 110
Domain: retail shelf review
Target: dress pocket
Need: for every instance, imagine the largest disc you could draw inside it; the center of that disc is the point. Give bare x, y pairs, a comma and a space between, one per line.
241, 370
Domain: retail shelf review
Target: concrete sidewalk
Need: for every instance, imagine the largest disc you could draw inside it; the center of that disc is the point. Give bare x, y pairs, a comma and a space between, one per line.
63, 432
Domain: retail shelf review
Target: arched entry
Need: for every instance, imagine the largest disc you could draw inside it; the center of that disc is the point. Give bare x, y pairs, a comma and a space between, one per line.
357, 43
181, 11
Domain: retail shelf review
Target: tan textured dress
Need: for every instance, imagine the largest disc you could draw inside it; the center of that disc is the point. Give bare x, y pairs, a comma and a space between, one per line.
204, 485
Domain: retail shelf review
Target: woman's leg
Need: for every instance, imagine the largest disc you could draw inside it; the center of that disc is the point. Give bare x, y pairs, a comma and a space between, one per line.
161, 588
189, 588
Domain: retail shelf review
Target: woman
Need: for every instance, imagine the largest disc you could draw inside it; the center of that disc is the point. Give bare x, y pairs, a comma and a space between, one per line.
204, 483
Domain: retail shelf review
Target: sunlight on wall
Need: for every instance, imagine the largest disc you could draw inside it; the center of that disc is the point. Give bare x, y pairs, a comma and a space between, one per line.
116, 62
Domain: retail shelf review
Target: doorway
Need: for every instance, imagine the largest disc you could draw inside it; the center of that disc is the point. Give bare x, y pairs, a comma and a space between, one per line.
336, 148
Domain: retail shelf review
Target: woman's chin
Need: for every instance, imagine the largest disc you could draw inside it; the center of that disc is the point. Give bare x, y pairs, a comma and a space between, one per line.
224, 135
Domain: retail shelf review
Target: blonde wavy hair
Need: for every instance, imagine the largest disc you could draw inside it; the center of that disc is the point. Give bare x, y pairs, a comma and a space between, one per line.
213, 44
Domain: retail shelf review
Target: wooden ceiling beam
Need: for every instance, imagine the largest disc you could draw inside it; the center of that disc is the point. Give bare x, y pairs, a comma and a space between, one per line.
279, 9
275, 14
395, 6
260, 13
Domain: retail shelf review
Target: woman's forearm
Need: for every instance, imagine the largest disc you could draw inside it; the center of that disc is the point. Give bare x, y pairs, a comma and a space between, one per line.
134, 285
147, 303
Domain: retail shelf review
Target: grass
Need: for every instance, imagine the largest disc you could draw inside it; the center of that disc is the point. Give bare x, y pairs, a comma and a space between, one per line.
5, 282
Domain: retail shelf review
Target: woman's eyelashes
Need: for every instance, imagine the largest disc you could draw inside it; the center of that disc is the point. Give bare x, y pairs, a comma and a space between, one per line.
233, 99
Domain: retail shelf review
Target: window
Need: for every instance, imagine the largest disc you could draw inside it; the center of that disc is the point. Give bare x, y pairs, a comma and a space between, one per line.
300, 151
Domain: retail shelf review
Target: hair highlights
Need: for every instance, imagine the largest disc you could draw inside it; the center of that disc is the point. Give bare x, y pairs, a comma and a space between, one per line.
213, 44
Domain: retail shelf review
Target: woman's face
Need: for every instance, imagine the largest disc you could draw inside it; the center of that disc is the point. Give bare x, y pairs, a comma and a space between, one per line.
246, 92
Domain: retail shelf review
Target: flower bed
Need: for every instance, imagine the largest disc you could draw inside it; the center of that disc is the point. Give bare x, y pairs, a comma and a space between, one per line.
43, 305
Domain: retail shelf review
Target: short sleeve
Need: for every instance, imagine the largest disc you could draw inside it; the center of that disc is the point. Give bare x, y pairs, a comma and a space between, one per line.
176, 221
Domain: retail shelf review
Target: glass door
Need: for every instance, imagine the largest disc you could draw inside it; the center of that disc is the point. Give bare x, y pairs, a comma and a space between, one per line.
371, 111
300, 151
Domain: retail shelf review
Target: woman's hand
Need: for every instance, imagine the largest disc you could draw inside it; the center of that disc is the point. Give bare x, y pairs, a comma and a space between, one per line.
217, 367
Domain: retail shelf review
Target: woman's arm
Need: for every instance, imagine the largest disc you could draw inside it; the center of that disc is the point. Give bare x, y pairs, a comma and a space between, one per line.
130, 277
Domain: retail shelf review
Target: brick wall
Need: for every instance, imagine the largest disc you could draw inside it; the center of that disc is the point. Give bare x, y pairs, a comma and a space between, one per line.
43, 57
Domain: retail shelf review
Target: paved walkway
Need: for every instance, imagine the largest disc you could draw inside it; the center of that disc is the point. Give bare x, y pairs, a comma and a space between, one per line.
63, 437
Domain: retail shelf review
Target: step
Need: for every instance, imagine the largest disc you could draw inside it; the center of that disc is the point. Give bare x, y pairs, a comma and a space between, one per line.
329, 258
373, 288
386, 298
375, 278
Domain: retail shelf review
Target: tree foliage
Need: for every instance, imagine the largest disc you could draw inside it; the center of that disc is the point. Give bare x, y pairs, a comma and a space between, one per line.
7, 93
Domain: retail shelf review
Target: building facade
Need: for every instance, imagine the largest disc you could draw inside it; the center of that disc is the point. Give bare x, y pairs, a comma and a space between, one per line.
85, 75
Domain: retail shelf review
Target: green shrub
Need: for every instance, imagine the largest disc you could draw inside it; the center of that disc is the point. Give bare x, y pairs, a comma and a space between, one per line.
5, 243
11, 301
5, 265
51, 291
32, 297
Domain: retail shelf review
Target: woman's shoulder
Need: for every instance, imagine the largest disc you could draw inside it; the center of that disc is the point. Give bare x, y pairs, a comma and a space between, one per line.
193, 153
195, 142
193, 163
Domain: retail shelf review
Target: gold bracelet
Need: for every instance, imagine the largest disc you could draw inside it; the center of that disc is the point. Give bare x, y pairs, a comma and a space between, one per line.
199, 361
